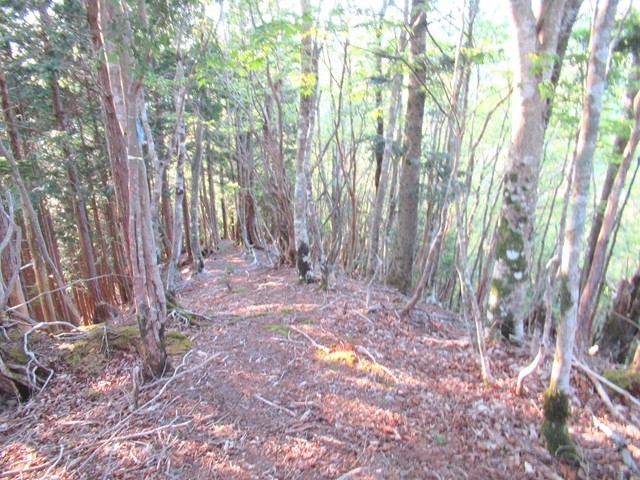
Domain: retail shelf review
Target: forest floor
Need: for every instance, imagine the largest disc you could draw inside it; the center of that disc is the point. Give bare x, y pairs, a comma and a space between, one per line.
288, 382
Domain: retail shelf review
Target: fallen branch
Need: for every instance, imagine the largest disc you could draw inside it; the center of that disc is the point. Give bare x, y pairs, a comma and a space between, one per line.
361, 349
606, 382
620, 442
275, 405
313, 342
605, 398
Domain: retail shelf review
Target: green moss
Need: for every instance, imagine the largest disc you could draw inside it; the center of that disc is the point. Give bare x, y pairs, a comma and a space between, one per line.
565, 294
77, 353
626, 379
510, 251
90, 351
125, 338
554, 427
177, 343
286, 310
277, 328
17, 354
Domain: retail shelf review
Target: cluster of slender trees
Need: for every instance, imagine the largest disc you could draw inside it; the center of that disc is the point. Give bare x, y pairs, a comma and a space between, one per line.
383, 142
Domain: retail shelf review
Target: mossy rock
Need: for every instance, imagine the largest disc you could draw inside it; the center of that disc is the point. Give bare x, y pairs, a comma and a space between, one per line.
626, 379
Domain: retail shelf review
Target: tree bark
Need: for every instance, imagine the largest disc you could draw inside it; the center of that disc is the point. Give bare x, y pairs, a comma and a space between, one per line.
401, 269
149, 296
601, 230
536, 39
11, 293
90, 272
307, 104
196, 171
176, 244
569, 269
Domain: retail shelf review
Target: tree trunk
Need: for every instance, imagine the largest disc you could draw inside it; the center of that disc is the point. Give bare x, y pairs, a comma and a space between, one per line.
116, 145
11, 294
382, 177
307, 104
212, 198
554, 427
604, 216
39, 267
401, 269
196, 171
149, 296
534, 37
621, 324
176, 244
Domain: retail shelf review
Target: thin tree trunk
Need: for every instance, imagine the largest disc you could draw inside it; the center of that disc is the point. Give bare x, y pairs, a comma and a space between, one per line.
196, 170
587, 305
39, 267
382, 179
176, 243
90, 272
557, 396
307, 104
11, 293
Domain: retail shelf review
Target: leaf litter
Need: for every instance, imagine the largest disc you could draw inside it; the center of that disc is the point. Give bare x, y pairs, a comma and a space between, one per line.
285, 381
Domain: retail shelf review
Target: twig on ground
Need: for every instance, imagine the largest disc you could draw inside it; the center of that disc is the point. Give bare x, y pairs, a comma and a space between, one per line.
275, 405
620, 442
363, 350
313, 342
361, 315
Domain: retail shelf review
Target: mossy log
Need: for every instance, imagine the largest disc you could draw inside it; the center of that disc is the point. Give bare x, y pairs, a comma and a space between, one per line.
86, 348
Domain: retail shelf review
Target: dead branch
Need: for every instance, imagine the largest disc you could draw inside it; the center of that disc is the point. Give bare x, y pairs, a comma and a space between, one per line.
363, 350
275, 405
605, 398
606, 382
313, 342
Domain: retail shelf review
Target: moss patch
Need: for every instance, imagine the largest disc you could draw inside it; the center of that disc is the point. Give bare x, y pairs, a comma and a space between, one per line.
177, 343
277, 328
624, 379
565, 294
554, 427
93, 349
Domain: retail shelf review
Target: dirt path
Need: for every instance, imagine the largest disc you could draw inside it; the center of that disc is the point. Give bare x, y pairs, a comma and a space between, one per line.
288, 382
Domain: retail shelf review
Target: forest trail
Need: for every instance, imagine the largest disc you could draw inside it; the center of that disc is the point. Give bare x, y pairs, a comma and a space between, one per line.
288, 382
